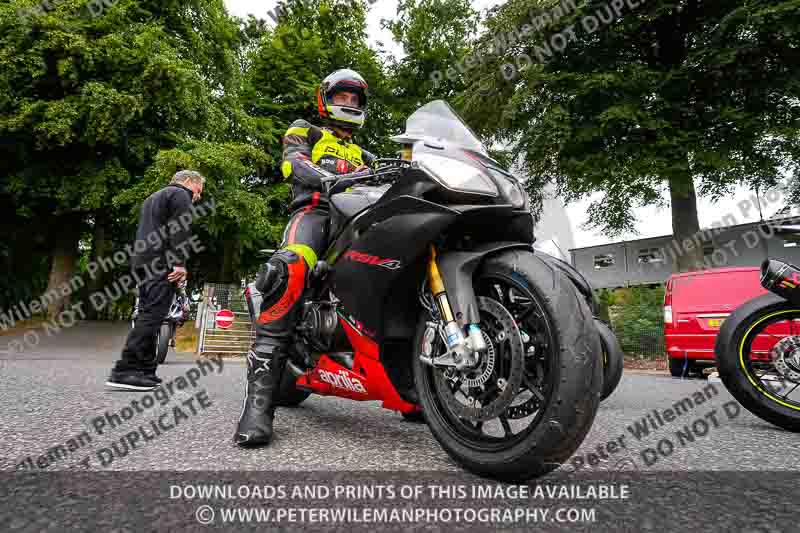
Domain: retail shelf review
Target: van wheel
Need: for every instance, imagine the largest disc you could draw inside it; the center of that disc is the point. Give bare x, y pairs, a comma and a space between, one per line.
680, 368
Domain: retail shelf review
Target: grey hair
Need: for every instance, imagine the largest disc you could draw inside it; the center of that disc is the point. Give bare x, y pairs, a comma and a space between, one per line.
183, 176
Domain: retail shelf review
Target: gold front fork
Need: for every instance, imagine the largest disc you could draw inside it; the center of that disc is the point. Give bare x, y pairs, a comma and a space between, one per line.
456, 340
437, 288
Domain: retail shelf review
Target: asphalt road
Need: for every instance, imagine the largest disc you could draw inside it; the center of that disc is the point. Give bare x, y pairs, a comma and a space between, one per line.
53, 392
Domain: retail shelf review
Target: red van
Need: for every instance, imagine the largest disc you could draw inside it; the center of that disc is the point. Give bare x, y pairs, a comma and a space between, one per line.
695, 305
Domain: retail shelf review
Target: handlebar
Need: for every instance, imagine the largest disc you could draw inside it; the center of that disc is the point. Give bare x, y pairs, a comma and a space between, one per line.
339, 183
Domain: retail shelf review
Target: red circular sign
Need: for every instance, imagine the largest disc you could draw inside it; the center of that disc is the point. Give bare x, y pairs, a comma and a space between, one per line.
224, 318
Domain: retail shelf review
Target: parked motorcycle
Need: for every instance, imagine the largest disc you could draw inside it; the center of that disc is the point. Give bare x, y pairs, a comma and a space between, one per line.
758, 349
177, 315
431, 297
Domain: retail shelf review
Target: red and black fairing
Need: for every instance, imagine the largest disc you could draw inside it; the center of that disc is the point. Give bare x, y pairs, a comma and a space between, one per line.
378, 258
360, 377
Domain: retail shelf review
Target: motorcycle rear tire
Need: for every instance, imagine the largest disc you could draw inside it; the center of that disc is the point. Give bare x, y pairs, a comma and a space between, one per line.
613, 359
288, 395
162, 342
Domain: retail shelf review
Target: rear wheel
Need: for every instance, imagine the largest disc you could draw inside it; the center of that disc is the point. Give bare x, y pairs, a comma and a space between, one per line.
527, 405
162, 342
288, 395
758, 357
414, 416
613, 359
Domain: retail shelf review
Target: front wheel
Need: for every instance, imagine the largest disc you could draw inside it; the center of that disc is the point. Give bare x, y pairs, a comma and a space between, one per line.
529, 402
758, 357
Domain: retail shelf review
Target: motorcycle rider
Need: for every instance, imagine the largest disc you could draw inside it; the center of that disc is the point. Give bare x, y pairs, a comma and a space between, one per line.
310, 153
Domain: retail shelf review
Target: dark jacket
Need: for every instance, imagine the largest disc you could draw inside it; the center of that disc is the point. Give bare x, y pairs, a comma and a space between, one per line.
162, 232
311, 153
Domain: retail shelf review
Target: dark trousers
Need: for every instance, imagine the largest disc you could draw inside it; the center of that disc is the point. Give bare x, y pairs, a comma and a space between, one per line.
155, 299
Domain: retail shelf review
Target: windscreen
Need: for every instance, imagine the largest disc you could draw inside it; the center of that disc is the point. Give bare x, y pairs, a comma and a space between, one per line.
437, 120
551, 248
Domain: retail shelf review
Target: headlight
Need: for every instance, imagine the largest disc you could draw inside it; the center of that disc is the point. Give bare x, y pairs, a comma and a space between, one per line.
510, 188
456, 175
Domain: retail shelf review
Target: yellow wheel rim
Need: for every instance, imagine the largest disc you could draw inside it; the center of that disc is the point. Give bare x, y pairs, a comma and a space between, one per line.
758, 384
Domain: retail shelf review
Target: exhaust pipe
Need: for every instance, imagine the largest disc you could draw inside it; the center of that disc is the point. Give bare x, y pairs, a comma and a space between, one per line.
782, 279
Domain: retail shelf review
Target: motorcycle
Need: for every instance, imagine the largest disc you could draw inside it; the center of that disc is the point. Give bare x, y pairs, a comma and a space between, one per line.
757, 349
432, 299
177, 315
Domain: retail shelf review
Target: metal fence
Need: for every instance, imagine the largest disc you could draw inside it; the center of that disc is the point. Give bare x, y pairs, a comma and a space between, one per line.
640, 331
235, 339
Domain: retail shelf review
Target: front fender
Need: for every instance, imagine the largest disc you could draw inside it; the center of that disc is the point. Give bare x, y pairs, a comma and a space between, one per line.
457, 269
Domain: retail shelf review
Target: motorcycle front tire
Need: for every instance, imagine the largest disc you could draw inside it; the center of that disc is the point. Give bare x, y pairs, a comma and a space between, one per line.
730, 355
576, 380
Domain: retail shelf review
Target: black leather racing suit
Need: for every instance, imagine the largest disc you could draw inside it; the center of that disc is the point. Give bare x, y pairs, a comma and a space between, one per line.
310, 153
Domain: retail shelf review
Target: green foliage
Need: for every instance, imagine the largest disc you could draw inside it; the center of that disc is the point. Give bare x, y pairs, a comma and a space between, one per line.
670, 93
98, 112
436, 36
605, 299
86, 102
312, 39
638, 319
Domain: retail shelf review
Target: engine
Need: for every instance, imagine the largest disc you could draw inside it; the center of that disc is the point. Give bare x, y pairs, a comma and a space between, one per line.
319, 324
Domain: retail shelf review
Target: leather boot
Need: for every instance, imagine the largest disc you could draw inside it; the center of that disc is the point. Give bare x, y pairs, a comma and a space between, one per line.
274, 327
264, 371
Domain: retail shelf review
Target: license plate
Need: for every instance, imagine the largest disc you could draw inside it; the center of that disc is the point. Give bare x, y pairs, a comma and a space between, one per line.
715, 322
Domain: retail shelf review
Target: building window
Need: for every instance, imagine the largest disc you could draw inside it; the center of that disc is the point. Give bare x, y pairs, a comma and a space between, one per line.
603, 261
649, 256
708, 249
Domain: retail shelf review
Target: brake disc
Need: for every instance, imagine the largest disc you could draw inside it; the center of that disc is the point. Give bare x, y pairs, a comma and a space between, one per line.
524, 409
499, 329
485, 368
785, 356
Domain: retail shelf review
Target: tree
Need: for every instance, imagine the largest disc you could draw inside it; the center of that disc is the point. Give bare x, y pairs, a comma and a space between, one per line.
88, 99
677, 95
242, 219
436, 36
312, 39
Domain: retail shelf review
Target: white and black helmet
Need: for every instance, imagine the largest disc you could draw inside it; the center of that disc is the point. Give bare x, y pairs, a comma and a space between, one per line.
338, 115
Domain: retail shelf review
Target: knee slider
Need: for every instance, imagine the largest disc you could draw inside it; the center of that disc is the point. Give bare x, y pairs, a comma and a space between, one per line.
274, 274
277, 275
